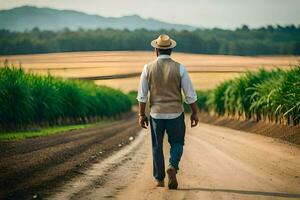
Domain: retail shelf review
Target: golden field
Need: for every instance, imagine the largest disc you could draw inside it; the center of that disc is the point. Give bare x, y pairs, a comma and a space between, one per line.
206, 71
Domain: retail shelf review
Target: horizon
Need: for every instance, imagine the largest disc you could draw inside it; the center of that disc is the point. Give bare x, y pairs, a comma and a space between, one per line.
287, 16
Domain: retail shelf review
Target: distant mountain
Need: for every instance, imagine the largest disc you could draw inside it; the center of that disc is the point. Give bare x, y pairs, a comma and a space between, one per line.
29, 17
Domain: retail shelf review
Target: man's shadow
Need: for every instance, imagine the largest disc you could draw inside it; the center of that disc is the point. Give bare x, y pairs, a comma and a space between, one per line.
247, 192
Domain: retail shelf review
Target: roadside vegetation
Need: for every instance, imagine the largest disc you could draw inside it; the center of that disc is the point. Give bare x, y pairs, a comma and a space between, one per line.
272, 96
28, 100
41, 132
132, 95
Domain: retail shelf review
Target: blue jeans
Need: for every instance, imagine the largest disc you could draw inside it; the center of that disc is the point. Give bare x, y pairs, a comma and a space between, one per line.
175, 129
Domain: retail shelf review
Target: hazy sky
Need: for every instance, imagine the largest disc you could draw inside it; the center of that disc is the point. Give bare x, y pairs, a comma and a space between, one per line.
204, 13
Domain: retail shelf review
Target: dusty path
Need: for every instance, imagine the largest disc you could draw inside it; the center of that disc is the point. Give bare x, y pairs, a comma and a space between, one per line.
218, 163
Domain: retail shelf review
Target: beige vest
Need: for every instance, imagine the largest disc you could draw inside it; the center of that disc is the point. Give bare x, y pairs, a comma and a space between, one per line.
165, 86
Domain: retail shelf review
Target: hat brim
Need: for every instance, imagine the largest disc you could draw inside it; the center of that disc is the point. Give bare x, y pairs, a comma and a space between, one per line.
155, 45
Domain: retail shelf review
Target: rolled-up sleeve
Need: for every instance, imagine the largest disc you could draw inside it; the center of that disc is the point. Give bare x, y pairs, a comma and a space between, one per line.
187, 86
143, 87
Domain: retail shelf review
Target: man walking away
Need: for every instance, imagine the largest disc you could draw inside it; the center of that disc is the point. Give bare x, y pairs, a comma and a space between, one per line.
164, 78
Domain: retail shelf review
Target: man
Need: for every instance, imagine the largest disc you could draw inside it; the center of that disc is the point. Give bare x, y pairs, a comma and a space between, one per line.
164, 78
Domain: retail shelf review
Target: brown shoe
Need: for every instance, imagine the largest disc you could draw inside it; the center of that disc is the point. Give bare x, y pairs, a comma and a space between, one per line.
172, 183
160, 183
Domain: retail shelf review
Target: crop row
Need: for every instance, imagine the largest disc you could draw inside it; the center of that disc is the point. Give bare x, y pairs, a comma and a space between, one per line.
272, 96
28, 99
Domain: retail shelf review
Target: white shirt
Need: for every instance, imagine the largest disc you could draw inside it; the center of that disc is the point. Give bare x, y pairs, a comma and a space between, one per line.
186, 85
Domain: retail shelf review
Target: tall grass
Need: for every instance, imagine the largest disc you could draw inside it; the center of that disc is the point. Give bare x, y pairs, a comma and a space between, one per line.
202, 100
28, 99
133, 95
278, 99
264, 95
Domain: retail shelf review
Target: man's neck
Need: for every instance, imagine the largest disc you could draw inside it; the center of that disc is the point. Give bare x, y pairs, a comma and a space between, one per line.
163, 56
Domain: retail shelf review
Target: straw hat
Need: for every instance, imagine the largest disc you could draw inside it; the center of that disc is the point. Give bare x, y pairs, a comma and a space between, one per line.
163, 42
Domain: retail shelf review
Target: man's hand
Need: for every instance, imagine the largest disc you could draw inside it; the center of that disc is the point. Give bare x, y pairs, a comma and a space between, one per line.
194, 120
143, 121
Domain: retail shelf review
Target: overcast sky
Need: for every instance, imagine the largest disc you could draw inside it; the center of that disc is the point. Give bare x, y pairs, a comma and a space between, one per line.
204, 13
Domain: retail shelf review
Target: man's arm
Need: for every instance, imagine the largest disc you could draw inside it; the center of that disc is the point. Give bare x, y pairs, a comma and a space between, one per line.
142, 98
190, 95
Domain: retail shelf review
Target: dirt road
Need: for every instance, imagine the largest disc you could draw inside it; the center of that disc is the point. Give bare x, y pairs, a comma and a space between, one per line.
218, 163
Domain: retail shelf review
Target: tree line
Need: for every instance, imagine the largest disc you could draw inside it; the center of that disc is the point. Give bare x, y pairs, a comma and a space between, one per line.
270, 40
